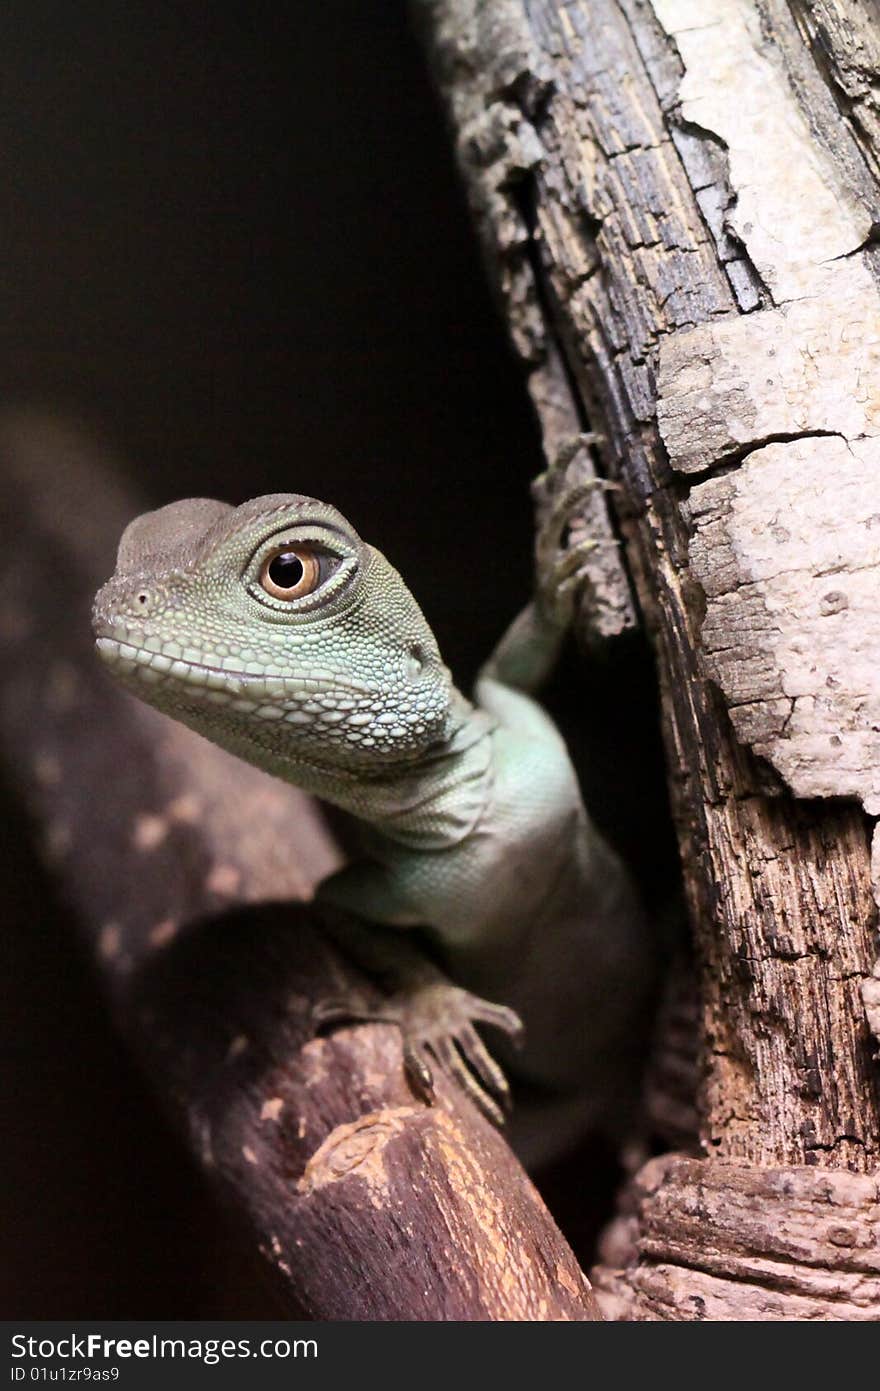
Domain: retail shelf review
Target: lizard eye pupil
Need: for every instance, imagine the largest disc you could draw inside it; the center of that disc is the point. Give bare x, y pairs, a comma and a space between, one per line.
286, 570
292, 572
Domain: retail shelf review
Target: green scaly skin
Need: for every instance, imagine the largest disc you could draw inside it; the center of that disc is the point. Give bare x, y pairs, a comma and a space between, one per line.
472, 821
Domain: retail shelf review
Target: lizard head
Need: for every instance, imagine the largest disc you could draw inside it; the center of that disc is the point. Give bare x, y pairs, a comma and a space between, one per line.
274, 630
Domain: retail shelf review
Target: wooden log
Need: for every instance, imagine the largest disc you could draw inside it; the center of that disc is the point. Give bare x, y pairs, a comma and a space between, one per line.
678, 201
758, 1243
180, 864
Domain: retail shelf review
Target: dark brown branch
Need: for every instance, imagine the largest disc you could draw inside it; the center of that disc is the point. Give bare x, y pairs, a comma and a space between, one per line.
366, 1203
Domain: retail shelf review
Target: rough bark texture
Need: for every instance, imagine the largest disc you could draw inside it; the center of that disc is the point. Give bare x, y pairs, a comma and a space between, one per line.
816, 1256
365, 1202
679, 201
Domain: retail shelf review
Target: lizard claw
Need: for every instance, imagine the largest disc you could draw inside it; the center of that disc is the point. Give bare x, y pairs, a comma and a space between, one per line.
563, 550
436, 1022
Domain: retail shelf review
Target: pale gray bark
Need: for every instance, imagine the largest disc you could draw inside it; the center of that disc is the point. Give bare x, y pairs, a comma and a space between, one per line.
678, 199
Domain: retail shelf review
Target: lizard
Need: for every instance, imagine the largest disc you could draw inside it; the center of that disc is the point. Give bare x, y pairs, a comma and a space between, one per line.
274, 630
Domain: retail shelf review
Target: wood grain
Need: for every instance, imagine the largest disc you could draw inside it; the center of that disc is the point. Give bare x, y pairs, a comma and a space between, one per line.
679, 200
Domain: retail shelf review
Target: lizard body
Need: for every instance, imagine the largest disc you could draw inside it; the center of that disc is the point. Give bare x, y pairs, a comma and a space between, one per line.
275, 631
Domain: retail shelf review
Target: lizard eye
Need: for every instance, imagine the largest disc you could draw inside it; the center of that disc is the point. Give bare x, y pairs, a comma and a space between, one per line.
289, 573
294, 574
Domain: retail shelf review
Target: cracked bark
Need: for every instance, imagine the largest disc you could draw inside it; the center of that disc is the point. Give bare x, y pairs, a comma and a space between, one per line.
679, 200
180, 863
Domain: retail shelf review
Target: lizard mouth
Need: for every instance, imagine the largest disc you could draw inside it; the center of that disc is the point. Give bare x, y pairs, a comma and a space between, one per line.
155, 667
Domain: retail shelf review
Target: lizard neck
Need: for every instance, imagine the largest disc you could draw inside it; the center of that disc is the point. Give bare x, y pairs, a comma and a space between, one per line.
433, 803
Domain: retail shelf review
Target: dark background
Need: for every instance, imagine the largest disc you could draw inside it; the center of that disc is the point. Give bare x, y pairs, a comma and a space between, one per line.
233, 244
237, 244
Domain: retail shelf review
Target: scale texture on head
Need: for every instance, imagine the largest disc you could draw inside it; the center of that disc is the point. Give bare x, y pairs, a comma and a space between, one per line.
273, 629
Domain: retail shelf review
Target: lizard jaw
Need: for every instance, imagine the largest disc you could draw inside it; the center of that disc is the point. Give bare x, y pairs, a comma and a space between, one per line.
293, 700
130, 659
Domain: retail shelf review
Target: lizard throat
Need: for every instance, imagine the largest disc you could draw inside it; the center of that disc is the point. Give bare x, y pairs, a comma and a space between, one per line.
320, 730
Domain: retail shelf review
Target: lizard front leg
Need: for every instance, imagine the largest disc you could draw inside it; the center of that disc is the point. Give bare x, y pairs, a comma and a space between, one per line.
436, 1018
528, 651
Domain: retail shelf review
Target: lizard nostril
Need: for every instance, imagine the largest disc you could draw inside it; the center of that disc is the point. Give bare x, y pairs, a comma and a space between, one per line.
416, 661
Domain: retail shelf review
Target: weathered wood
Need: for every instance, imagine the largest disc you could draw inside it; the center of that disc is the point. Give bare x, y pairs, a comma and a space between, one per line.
673, 1071
365, 1202
844, 43
758, 1244
675, 203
